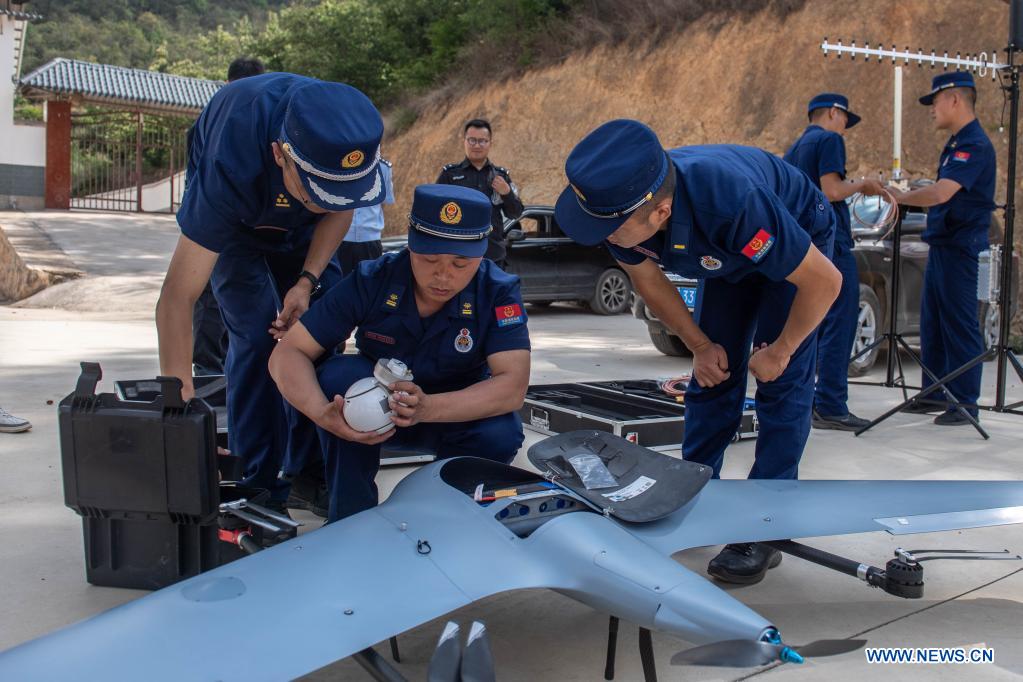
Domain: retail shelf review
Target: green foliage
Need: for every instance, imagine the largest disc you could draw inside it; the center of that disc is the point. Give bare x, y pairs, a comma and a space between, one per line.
390, 49
27, 111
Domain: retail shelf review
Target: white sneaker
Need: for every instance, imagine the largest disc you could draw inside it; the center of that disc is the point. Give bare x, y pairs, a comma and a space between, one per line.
11, 424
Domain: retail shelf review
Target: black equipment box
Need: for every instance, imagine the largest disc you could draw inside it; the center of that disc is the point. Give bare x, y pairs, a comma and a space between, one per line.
213, 389
144, 478
636, 410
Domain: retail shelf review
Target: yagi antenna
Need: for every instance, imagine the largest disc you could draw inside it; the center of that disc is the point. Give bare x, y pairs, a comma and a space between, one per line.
980, 64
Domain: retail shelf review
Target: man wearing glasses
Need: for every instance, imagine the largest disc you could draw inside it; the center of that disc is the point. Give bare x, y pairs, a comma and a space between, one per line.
477, 172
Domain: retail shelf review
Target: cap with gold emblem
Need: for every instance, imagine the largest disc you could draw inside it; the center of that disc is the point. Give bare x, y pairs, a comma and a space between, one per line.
613, 171
449, 219
332, 132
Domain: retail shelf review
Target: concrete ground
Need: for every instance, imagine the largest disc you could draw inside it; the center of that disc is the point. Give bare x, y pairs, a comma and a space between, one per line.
106, 316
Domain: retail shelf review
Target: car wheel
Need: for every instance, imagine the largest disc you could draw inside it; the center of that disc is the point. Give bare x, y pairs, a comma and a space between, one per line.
868, 329
612, 294
669, 344
989, 322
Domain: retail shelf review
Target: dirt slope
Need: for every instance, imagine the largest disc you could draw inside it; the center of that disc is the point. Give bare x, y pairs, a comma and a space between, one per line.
717, 80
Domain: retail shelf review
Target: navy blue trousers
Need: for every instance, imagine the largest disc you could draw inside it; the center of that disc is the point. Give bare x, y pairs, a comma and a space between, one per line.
949, 330
835, 339
736, 315
209, 335
249, 285
352, 467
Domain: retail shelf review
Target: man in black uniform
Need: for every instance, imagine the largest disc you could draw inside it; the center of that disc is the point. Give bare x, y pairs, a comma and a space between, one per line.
476, 172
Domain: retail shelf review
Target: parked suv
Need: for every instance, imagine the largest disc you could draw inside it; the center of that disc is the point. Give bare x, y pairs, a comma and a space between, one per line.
873, 262
554, 268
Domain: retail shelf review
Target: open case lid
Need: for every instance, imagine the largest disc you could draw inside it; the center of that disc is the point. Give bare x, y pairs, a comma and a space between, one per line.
649, 485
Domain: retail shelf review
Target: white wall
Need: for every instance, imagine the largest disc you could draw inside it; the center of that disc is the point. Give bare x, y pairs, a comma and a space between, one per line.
20, 145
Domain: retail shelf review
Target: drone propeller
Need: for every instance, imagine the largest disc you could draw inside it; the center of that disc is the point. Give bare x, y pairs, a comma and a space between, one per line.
477, 660
447, 658
746, 653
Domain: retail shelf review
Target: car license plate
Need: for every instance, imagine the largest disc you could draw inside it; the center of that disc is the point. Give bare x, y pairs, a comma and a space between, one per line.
688, 295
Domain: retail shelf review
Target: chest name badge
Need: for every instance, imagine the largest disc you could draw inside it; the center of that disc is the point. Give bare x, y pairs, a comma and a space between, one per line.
382, 338
758, 246
710, 263
282, 201
962, 157
508, 314
463, 342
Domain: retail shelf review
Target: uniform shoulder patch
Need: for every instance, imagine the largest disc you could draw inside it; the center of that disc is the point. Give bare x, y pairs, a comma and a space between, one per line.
508, 314
961, 156
758, 247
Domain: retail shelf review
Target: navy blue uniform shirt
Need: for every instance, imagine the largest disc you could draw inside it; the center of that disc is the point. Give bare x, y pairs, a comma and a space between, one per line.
447, 351
818, 152
963, 220
737, 210
234, 188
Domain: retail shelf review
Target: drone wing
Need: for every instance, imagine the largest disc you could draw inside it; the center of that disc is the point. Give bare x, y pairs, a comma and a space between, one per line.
758, 510
301, 605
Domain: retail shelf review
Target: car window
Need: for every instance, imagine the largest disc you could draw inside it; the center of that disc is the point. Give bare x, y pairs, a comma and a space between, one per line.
556, 229
531, 226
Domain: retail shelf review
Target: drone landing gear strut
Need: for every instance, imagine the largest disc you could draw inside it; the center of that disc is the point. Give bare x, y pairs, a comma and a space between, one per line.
646, 652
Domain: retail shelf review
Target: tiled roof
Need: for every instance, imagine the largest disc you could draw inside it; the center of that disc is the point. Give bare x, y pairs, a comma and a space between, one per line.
24, 16
119, 86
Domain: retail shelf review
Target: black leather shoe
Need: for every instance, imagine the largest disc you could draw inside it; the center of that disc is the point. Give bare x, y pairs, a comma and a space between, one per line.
310, 494
922, 407
744, 564
847, 422
952, 418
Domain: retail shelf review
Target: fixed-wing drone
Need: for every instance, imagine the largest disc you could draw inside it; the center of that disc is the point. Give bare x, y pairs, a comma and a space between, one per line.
461, 529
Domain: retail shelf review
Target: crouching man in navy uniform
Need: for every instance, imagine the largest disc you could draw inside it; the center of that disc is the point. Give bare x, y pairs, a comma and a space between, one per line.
958, 219
820, 153
757, 233
277, 164
454, 318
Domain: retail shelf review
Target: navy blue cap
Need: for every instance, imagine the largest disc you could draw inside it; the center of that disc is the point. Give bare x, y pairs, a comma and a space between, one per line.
332, 132
612, 172
943, 81
449, 219
827, 100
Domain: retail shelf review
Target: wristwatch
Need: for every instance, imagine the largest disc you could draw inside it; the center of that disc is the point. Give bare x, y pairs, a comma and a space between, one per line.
313, 279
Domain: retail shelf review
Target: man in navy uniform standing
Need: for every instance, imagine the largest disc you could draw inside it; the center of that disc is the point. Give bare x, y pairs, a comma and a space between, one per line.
820, 153
959, 215
278, 162
757, 233
476, 171
454, 318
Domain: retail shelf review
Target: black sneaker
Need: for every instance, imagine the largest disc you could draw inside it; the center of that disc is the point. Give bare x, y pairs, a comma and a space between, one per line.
952, 418
847, 422
309, 494
744, 564
922, 407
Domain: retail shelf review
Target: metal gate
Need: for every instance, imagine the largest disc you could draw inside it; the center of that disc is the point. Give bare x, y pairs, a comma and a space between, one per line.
127, 161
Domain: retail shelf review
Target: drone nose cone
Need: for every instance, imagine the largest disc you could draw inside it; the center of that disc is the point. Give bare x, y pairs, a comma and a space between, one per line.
699, 612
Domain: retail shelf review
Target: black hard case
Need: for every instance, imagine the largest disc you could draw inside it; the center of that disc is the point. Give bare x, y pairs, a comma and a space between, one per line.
143, 476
